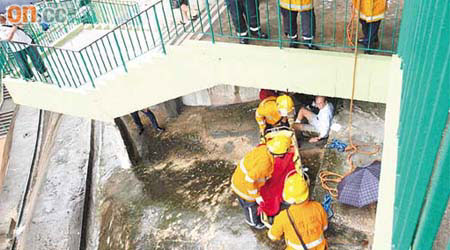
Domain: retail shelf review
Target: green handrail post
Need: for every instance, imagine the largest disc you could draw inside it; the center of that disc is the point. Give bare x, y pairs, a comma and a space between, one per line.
87, 69
280, 42
120, 52
210, 22
159, 30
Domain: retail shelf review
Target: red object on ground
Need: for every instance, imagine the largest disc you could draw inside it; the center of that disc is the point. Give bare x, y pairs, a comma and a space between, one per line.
272, 190
264, 93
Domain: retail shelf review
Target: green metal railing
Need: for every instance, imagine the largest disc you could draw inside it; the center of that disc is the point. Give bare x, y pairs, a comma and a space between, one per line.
332, 24
97, 12
73, 68
159, 23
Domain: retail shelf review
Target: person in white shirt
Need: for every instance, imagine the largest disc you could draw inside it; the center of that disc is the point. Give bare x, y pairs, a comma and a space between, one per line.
320, 122
21, 48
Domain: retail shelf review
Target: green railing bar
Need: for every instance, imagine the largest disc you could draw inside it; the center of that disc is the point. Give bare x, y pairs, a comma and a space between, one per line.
394, 29
112, 50
74, 69
78, 66
137, 36
229, 21
45, 57
199, 14
120, 52
89, 74
63, 76
68, 69
107, 54
99, 52
267, 19
159, 31
131, 41
210, 23
90, 62
218, 15
322, 28
258, 22
165, 21
95, 58
247, 21
175, 21
150, 28
344, 40
280, 44
124, 43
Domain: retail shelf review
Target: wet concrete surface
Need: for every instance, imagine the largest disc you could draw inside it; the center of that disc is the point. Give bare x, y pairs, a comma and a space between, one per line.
179, 196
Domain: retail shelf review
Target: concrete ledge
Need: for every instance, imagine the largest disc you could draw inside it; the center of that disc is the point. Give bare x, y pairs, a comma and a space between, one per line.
153, 79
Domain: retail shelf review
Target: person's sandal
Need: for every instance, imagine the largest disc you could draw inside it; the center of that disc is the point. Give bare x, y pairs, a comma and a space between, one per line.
194, 17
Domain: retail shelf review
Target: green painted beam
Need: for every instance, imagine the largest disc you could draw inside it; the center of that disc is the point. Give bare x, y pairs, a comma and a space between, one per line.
436, 200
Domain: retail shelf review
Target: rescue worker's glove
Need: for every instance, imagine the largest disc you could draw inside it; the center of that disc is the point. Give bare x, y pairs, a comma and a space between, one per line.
259, 200
262, 139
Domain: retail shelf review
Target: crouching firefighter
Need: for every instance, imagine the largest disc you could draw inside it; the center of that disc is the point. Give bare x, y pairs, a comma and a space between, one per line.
274, 111
252, 172
304, 222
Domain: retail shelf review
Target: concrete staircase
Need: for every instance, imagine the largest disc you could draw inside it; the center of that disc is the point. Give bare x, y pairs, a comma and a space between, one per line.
6, 112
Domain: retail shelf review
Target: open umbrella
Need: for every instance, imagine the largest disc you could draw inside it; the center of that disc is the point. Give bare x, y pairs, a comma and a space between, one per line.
360, 188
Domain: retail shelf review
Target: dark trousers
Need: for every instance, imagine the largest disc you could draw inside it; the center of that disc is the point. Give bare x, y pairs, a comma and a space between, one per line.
22, 61
149, 114
290, 23
250, 212
370, 31
243, 13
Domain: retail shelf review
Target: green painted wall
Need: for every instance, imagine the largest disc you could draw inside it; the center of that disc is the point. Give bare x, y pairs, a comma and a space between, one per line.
423, 170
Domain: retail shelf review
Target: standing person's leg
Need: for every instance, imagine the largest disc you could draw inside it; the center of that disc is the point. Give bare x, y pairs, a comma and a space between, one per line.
308, 28
153, 120
290, 26
372, 33
237, 17
365, 32
184, 13
251, 213
22, 62
253, 18
137, 121
36, 59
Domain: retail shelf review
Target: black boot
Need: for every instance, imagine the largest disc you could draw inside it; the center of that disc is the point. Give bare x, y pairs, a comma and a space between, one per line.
310, 46
243, 40
293, 43
259, 34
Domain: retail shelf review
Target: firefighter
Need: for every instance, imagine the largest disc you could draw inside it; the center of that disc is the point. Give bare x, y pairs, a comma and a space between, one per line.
252, 172
304, 222
245, 13
289, 10
372, 12
274, 111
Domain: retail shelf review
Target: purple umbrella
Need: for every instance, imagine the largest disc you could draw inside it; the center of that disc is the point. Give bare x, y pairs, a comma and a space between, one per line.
360, 188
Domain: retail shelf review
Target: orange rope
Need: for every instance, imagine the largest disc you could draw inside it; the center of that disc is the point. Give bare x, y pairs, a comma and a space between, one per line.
326, 176
350, 27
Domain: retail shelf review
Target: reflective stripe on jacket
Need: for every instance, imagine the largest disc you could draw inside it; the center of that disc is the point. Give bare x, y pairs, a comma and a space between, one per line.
371, 10
252, 172
296, 5
311, 221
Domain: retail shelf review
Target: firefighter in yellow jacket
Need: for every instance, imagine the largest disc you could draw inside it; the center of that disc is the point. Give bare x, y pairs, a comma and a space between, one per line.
289, 10
372, 12
252, 172
274, 111
304, 218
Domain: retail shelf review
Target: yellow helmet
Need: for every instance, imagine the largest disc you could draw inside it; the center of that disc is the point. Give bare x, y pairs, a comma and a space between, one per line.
279, 145
295, 189
285, 105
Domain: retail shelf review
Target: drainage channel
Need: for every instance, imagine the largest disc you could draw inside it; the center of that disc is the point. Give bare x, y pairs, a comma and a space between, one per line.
30, 189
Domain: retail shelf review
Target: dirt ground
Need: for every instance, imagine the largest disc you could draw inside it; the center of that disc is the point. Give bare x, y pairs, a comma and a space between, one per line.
179, 196
332, 23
